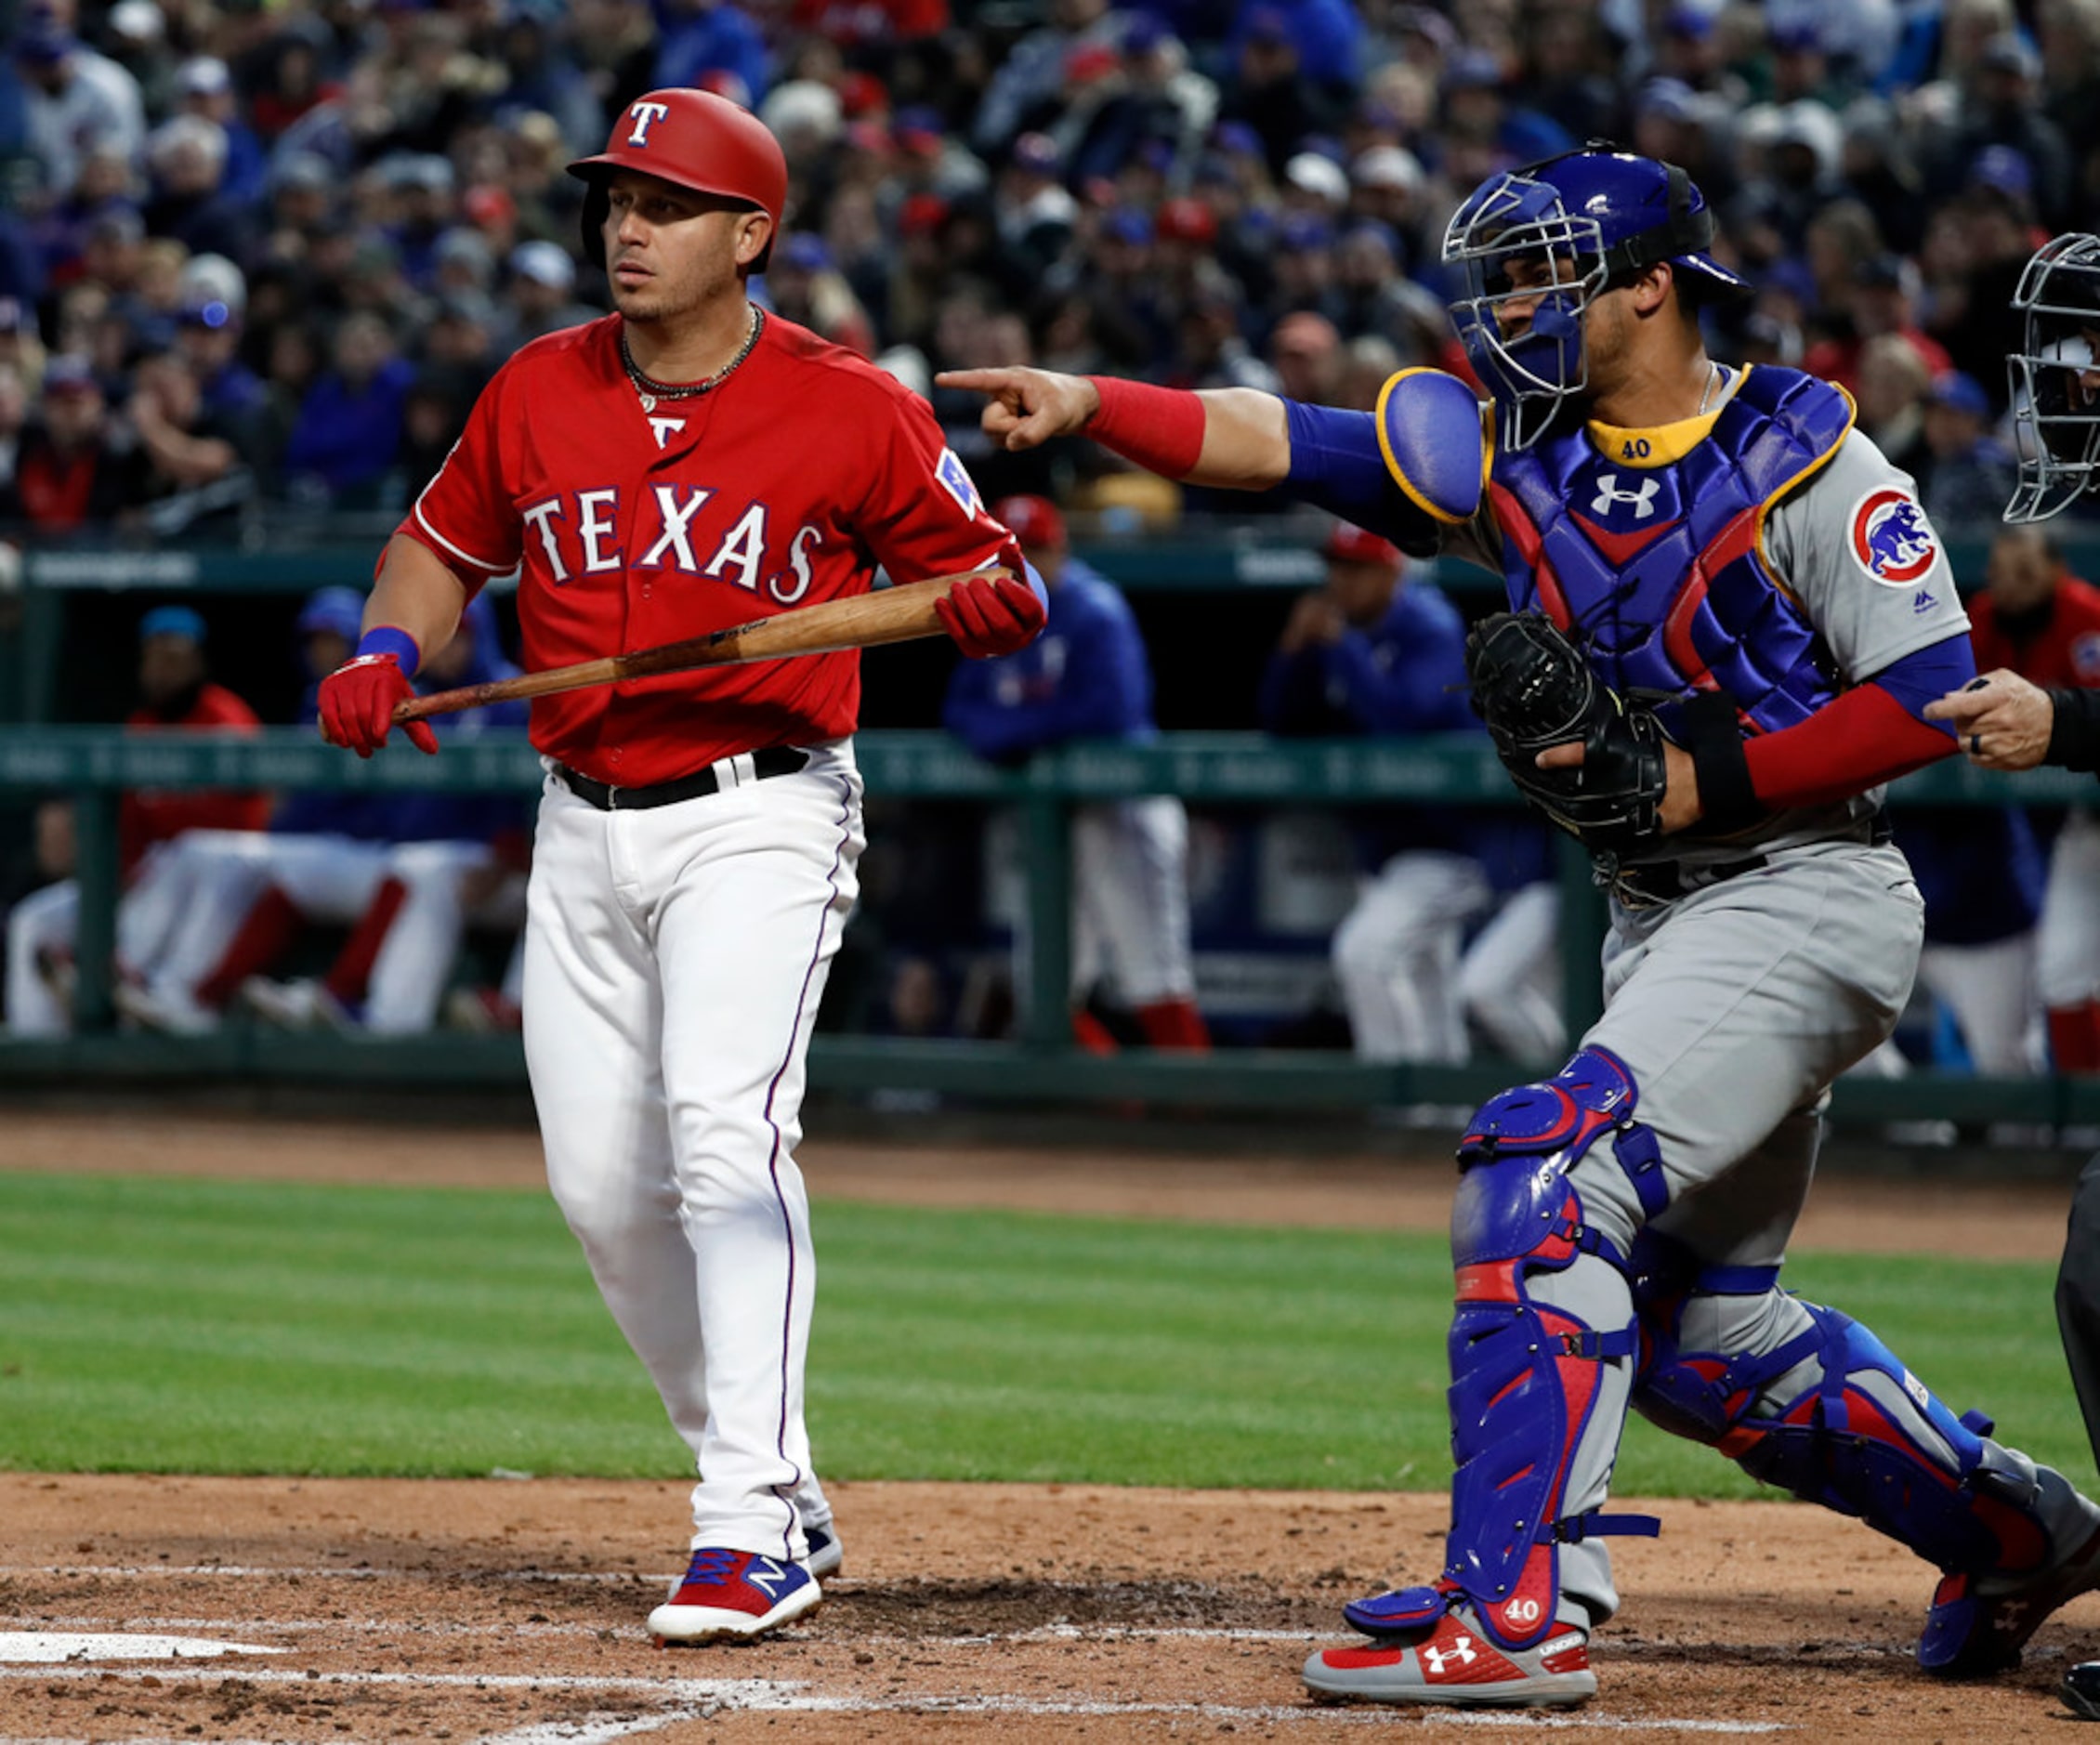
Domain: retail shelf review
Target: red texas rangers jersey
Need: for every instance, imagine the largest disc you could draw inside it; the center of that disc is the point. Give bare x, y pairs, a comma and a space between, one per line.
784, 486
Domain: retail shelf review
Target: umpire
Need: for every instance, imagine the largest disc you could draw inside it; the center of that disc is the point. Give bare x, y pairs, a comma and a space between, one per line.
2003, 722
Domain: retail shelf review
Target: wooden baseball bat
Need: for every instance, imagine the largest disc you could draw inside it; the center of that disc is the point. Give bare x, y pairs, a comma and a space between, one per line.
866, 621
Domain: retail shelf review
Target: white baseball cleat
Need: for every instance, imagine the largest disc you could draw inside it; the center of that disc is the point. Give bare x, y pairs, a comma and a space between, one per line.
173, 1014
1455, 1664
734, 1595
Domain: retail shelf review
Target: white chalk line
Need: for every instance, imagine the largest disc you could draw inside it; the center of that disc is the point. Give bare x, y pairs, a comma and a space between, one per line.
691, 1698
42, 1648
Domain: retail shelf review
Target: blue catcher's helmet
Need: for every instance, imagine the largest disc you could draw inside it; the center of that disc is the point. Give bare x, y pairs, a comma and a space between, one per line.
2055, 399
1599, 217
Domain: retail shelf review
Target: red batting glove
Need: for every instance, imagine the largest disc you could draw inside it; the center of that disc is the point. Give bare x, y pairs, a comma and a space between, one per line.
988, 616
357, 705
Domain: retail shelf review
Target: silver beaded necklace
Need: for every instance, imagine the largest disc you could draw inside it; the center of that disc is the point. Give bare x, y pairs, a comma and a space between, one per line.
651, 390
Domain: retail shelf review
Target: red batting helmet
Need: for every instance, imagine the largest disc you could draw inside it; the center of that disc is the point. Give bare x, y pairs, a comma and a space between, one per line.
1032, 521
696, 140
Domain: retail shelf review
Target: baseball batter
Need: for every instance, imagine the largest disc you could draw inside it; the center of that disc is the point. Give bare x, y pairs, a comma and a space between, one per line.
1725, 542
685, 465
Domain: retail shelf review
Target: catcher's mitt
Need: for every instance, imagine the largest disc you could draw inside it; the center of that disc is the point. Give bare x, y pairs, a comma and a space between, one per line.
1533, 688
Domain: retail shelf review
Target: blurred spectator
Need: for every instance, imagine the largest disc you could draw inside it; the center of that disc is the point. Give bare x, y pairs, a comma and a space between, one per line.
197, 474
14, 420
176, 694
1034, 69
1972, 473
1087, 677
349, 424
211, 303
1326, 36
204, 90
1893, 384
78, 101
188, 163
1305, 353
543, 290
1272, 91
70, 472
2001, 109
2040, 622
802, 286
1371, 653
1881, 297
711, 36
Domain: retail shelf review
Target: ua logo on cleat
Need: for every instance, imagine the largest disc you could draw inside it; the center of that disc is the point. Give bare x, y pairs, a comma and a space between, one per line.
1460, 1651
2010, 1616
1608, 493
766, 1576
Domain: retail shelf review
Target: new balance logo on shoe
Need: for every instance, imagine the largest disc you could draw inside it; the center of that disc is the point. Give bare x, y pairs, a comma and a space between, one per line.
766, 1576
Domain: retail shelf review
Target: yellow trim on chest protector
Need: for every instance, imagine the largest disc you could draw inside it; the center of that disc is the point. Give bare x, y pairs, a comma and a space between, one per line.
1660, 444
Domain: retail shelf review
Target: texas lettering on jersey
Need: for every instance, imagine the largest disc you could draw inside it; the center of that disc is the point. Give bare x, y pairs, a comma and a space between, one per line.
579, 534
634, 524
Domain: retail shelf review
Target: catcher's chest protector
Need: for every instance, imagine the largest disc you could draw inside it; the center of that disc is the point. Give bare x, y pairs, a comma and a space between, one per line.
1657, 569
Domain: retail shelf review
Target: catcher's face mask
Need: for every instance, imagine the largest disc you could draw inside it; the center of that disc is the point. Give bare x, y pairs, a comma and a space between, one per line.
2054, 378
1538, 246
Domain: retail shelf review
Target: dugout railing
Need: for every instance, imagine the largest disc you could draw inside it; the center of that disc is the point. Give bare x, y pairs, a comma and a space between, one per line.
1041, 1065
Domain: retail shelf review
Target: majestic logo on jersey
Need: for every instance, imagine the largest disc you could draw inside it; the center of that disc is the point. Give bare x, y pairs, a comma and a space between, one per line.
2085, 658
1609, 496
1891, 538
646, 116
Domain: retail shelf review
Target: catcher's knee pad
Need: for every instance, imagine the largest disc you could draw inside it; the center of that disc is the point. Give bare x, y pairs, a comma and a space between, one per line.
1859, 1435
1526, 1374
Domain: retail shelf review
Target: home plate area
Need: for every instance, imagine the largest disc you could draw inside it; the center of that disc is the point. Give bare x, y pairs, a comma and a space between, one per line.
501, 1612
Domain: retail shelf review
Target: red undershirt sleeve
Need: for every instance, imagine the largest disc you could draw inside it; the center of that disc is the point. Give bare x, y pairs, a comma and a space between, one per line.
1856, 741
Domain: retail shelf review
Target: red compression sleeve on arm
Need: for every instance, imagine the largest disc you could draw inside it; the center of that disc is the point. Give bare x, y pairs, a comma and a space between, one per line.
1860, 741
1161, 428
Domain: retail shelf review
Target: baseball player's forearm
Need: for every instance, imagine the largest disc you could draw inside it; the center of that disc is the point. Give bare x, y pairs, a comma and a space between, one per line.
416, 593
1230, 439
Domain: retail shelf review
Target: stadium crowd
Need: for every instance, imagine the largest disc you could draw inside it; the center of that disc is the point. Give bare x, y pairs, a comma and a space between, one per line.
258, 257
266, 253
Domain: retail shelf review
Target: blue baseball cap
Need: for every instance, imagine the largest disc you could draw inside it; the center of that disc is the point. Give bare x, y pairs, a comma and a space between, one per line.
337, 610
172, 620
1961, 393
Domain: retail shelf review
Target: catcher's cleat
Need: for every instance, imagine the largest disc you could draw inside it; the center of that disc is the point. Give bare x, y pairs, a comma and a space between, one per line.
734, 1595
1455, 1664
827, 1555
2081, 1690
1979, 1624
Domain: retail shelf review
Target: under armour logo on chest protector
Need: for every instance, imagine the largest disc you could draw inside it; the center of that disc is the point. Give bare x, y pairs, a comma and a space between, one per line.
1609, 496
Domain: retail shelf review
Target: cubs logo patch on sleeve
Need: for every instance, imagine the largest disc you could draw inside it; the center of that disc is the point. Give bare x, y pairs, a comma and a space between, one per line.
1891, 538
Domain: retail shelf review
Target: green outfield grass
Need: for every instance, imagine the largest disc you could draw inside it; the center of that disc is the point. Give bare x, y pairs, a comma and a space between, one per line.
171, 1325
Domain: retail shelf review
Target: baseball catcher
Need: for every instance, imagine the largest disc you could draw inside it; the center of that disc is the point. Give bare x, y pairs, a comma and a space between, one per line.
1750, 612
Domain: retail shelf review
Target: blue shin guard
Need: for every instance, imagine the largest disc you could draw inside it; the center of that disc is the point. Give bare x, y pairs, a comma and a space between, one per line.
1527, 1374
1833, 1416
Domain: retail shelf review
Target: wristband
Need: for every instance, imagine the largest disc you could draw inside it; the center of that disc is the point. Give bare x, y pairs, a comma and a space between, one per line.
392, 640
1728, 800
1161, 428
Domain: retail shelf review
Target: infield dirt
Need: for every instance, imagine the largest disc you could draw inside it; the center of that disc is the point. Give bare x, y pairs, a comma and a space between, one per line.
511, 1610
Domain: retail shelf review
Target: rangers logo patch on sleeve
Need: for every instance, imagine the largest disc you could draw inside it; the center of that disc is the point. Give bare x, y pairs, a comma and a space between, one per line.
960, 486
1891, 538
